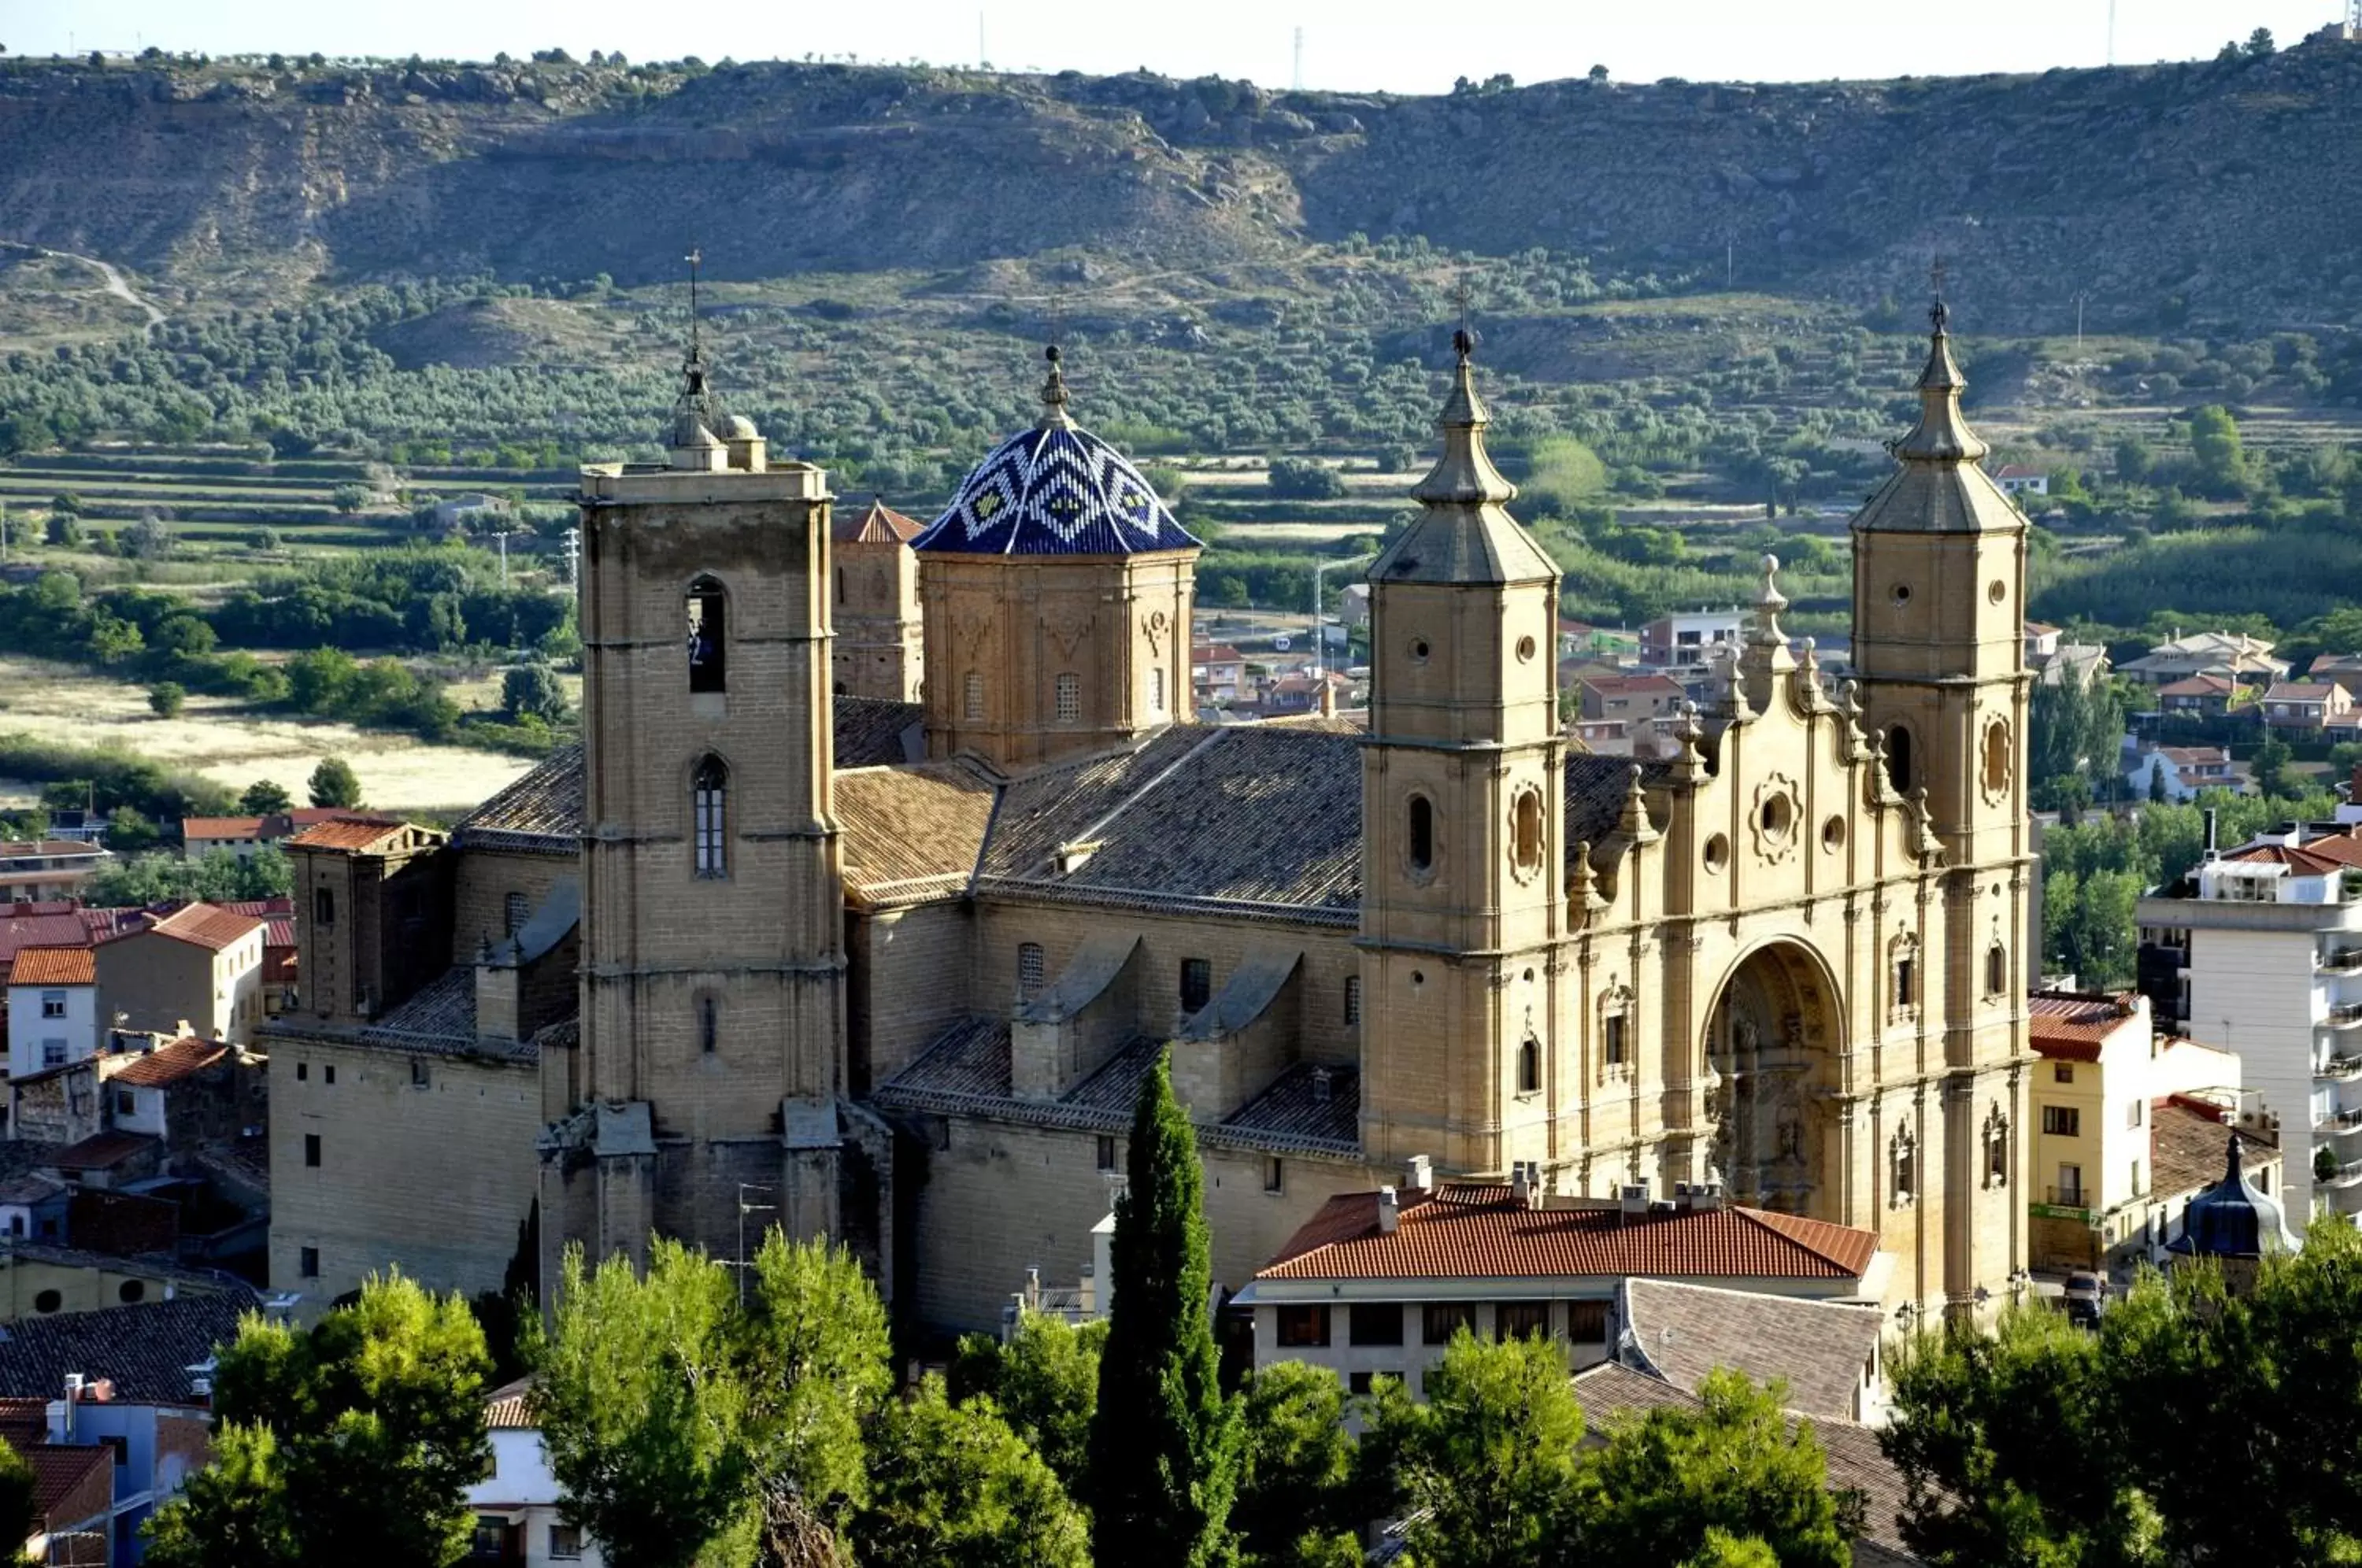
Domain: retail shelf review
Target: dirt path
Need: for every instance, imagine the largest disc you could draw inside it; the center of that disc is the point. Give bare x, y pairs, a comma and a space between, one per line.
112, 279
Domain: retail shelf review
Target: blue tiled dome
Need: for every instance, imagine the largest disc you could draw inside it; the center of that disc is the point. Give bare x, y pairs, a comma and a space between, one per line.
1056, 490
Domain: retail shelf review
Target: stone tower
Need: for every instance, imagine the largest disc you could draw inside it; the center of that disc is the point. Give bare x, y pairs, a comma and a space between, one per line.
712, 1048
1462, 813
1940, 647
1056, 593
878, 651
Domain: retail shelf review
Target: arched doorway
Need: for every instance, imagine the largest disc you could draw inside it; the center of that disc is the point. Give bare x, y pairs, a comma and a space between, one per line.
1772, 1044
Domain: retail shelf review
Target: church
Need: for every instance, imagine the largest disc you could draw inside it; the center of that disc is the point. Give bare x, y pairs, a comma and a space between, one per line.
892, 857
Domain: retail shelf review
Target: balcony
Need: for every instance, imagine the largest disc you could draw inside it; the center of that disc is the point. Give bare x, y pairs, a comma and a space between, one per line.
2070, 1196
2350, 1173
2344, 961
2343, 1015
2340, 1123
2339, 1068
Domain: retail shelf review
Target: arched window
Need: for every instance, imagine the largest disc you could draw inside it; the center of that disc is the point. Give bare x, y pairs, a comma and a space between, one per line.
1526, 837
708, 635
1996, 757
1352, 999
1997, 1146
1997, 970
1031, 967
972, 695
1069, 697
1903, 1167
514, 910
1529, 1066
709, 812
840, 585
1156, 691
1616, 1028
709, 1024
1422, 833
1898, 758
1902, 978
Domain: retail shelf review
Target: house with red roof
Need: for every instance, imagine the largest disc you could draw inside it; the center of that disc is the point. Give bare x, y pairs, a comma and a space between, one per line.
1378, 1283
200, 837
2304, 707
46, 869
196, 971
52, 1008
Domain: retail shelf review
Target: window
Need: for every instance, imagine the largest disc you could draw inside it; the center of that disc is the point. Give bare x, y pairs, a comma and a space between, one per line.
53, 1004
491, 1538
708, 636
1996, 757
1438, 1320
709, 1024
1031, 966
1352, 999
418, 1074
2063, 1120
118, 1446
131, 1290
2062, 1072
1615, 1032
1305, 1327
1105, 1152
972, 696
312, 1148
1529, 1066
1525, 831
328, 1073
1360, 1383
1902, 1160
1898, 759
1906, 983
1587, 1322
303, 1071
2133, 1113
1157, 691
48, 1301
1069, 697
1521, 1320
54, 1052
307, 1263
1375, 1323
2071, 1186
565, 1540
1997, 970
1275, 1175
1197, 984
324, 906
514, 910
124, 1104
709, 813
840, 585
1422, 834
2136, 1175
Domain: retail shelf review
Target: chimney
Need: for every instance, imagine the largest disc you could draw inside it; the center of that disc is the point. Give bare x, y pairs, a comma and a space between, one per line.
1033, 1289
1522, 1188
73, 1397
1320, 1085
1419, 1173
1633, 1198
1328, 692
1389, 1211
2210, 833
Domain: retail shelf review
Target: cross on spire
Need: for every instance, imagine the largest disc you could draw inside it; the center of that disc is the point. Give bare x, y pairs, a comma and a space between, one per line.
1464, 342
1938, 313
696, 258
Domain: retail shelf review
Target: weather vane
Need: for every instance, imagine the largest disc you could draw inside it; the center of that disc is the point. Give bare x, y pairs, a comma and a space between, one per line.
1938, 313
1464, 342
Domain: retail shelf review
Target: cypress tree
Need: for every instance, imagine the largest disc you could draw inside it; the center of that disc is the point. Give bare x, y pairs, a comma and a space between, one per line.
1165, 1439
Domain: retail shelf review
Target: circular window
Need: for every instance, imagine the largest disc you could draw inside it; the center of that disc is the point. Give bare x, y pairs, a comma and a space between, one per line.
1901, 593
1832, 834
1419, 650
1525, 650
1530, 976
1717, 853
131, 1290
1776, 816
1998, 592
1418, 979
48, 1301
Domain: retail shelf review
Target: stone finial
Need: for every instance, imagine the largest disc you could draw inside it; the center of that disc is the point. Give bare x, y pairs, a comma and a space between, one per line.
1054, 394
1768, 602
1635, 824
1942, 436
1465, 475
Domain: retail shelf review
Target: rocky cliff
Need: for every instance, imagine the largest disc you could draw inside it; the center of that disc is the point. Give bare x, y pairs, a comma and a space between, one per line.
2228, 189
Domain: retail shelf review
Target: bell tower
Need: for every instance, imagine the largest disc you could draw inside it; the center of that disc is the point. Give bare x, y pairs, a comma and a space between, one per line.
712, 1049
1462, 813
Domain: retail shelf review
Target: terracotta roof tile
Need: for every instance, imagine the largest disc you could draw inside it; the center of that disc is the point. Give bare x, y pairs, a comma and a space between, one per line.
48, 848
355, 834
21, 932
878, 524
203, 925
506, 1407
541, 811
54, 966
170, 1063
1459, 1232
2298, 691
101, 1151
873, 730
1320, 1104
145, 1350
221, 827
2199, 686
911, 833
59, 1472
2069, 1027
2189, 1146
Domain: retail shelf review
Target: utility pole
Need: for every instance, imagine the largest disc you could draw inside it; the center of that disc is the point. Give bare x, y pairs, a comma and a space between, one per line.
1300, 56
2111, 32
1320, 631
983, 57
572, 551
503, 537
2080, 296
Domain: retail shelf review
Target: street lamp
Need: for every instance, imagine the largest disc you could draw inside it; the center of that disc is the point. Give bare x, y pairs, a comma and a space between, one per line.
1319, 634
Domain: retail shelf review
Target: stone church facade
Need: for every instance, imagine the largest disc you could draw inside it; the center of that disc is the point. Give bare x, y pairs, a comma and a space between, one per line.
892, 971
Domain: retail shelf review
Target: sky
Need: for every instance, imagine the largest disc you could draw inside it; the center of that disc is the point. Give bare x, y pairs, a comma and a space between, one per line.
1348, 45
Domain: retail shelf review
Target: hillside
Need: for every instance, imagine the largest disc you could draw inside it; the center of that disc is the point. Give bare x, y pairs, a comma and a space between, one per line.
2200, 187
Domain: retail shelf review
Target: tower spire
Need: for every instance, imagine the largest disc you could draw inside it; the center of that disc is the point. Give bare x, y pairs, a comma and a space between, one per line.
1054, 394
1942, 436
1465, 475
693, 411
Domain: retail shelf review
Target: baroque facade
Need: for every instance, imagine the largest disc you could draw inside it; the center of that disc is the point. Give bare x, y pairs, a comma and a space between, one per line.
892, 971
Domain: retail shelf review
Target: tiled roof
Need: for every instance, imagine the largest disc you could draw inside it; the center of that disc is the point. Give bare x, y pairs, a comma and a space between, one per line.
2187, 755
2200, 686
2189, 1146
102, 1150
506, 1407
911, 833
1054, 490
21, 932
2299, 691
1461, 1233
145, 1350
873, 732
2069, 1027
1819, 1348
58, 1471
1319, 1105
201, 925
355, 834
1635, 685
539, 813
48, 847
222, 827
2305, 861
54, 966
439, 1018
1220, 653
170, 1063
1611, 1393
876, 524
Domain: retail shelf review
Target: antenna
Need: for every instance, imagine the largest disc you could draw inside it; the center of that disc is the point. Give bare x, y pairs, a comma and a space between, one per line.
695, 259
983, 57
1299, 55
2112, 29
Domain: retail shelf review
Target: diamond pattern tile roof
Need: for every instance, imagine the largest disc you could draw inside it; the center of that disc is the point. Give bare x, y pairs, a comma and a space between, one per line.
1466, 1231
1056, 490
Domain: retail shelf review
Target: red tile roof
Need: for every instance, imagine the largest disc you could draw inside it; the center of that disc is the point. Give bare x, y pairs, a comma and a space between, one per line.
1479, 1232
59, 1472
2305, 861
21, 932
1220, 653
222, 827
2299, 691
2199, 686
506, 1411
48, 846
101, 1151
2069, 1027
54, 966
170, 1064
203, 925
344, 832
877, 525
1635, 685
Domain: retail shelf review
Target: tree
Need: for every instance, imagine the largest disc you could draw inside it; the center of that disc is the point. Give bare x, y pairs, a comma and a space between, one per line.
953, 1488
643, 1408
822, 1364
350, 498
128, 832
334, 783
1297, 1495
1305, 479
2215, 452
1045, 1381
2270, 767
149, 538
2260, 43
167, 698
531, 689
18, 1518
1735, 1467
1164, 1440
265, 798
1486, 1468
354, 1441
1598, 73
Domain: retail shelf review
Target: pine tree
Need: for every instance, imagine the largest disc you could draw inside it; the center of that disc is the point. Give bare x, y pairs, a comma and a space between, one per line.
1165, 1438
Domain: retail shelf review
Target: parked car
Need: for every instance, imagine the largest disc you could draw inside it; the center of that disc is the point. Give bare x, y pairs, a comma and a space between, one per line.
2086, 1297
